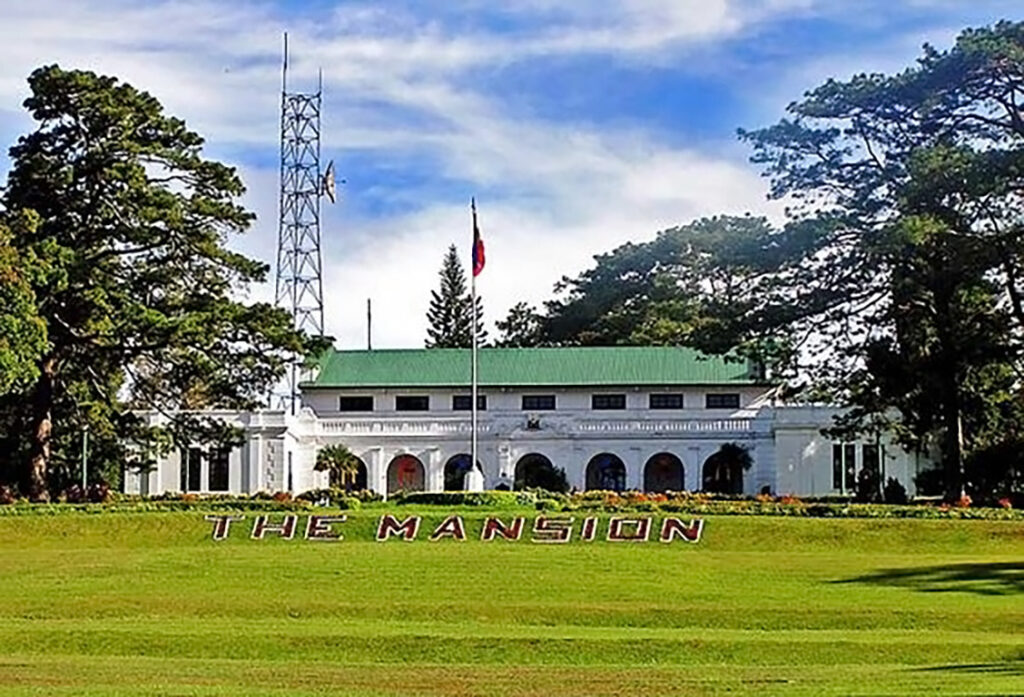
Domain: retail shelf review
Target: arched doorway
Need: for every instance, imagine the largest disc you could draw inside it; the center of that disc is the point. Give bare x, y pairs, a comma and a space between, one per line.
455, 471
723, 471
350, 481
405, 473
664, 472
606, 471
535, 471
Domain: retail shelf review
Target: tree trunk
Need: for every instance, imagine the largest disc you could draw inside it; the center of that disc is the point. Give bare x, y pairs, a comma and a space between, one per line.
952, 407
42, 427
954, 452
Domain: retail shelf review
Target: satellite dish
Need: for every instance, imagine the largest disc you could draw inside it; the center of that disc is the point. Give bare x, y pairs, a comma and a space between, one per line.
330, 189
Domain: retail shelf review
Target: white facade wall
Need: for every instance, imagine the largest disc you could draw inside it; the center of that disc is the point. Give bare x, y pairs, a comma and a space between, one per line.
790, 455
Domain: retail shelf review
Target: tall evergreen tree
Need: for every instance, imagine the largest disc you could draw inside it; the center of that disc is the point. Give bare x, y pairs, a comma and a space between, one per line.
450, 315
130, 242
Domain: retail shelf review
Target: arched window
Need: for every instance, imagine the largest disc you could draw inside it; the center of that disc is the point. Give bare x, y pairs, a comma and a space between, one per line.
664, 472
606, 471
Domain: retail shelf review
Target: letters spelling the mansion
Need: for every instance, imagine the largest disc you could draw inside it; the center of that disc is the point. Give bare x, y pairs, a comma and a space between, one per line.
544, 529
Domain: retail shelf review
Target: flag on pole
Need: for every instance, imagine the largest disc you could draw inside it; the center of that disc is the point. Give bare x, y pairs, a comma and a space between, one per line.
478, 246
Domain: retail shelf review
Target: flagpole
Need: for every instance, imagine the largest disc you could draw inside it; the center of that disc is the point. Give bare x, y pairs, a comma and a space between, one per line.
473, 370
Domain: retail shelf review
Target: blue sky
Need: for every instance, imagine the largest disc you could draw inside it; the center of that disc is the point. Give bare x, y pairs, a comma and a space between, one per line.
577, 125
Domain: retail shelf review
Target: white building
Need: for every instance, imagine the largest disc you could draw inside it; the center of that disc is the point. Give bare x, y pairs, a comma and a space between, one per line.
648, 418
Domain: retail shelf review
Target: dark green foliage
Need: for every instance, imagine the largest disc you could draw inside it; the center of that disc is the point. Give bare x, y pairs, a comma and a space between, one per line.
584, 502
22, 330
134, 282
486, 499
451, 308
705, 284
722, 473
521, 328
895, 493
997, 472
342, 464
333, 497
869, 486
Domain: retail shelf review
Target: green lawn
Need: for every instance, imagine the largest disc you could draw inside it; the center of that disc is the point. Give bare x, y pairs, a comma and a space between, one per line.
128, 604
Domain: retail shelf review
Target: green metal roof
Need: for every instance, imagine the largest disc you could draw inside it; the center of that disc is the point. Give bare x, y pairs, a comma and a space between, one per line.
523, 367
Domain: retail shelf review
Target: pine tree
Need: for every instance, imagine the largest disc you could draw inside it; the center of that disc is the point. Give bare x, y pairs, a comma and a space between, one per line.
450, 313
127, 262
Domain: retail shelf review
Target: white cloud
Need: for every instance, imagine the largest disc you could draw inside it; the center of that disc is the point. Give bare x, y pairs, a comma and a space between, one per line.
561, 192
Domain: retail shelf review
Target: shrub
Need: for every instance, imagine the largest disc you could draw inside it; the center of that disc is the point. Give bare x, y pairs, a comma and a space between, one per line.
869, 484
333, 496
365, 496
98, 493
895, 492
489, 499
73, 494
929, 482
7, 495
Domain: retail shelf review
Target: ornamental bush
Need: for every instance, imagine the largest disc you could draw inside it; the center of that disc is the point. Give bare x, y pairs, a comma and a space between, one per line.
7, 495
484, 499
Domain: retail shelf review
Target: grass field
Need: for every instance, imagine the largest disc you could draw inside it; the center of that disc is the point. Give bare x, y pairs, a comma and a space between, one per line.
128, 604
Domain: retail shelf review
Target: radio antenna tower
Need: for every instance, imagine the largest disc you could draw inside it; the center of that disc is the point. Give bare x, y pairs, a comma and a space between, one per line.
299, 284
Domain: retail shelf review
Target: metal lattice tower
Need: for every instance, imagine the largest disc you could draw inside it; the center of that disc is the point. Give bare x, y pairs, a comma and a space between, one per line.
299, 283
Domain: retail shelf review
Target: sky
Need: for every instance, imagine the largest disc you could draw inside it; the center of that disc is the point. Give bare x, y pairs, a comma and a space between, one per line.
577, 125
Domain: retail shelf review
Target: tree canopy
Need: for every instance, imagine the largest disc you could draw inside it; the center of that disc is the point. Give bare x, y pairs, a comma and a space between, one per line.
896, 284
131, 276
911, 187
22, 330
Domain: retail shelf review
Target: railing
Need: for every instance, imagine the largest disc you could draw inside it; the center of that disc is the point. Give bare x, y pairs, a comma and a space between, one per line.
662, 425
397, 427
548, 426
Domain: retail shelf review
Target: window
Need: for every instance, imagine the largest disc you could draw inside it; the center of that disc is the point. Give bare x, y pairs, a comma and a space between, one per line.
191, 469
666, 401
462, 402
722, 401
844, 467
219, 469
608, 401
355, 403
538, 402
412, 403
870, 457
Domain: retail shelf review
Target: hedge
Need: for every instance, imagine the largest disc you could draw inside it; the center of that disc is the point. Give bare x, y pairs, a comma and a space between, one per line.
476, 499
596, 501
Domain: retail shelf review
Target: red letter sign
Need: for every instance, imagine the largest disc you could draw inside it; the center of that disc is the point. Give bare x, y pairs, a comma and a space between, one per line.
390, 526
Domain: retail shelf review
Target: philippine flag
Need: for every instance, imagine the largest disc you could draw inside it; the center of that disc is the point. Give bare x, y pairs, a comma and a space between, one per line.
478, 246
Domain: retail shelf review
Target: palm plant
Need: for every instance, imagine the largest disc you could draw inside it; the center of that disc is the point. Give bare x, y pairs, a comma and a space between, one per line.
341, 462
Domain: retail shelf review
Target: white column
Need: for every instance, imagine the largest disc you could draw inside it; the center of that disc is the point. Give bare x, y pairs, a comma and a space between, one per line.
431, 460
377, 472
253, 479
635, 469
694, 464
